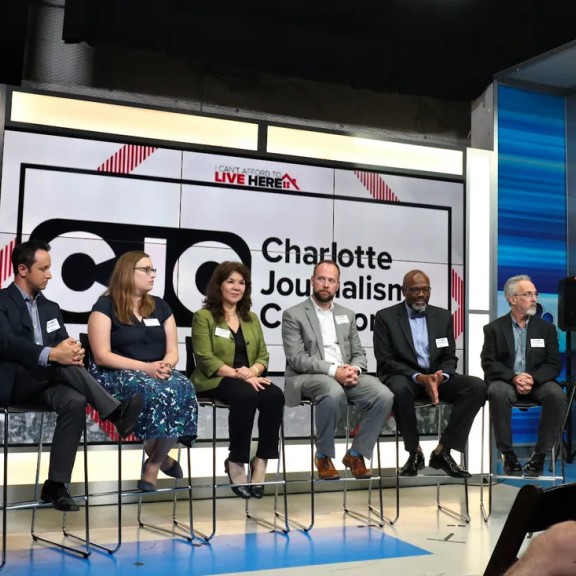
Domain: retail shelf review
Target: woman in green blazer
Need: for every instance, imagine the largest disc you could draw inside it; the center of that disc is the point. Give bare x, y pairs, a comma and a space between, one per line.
231, 363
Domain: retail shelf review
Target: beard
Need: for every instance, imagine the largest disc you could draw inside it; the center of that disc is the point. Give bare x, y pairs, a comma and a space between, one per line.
418, 307
531, 311
322, 298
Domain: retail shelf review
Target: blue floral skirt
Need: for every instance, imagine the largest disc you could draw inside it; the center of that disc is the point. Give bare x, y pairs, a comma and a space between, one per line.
170, 407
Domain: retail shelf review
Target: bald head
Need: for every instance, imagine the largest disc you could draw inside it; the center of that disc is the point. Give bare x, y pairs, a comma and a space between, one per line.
415, 275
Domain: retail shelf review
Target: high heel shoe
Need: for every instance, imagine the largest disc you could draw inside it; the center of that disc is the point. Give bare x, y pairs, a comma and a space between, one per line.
175, 471
144, 485
257, 490
242, 491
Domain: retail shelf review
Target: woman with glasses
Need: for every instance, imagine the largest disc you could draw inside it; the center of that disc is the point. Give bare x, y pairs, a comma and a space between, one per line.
231, 363
135, 349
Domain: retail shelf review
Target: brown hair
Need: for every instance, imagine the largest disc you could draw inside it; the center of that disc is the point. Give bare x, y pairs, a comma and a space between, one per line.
121, 288
213, 300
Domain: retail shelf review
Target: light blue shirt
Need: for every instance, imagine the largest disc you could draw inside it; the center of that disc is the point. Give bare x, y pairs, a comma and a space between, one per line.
519, 345
32, 305
419, 329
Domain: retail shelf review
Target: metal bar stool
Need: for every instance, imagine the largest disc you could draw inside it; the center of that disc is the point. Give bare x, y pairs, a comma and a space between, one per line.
375, 515
35, 504
178, 529
380, 518
557, 450
422, 404
280, 477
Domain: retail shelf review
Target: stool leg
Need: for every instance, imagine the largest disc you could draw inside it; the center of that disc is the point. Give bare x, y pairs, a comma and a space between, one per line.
464, 517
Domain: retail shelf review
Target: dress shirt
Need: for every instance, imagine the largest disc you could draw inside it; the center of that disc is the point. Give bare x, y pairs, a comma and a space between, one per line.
332, 351
32, 305
519, 345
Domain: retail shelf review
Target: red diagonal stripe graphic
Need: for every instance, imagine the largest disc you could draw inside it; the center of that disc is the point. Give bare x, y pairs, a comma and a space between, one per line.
6, 262
376, 185
458, 297
126, 159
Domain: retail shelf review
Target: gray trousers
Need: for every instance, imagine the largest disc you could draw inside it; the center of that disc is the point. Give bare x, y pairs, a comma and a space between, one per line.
370, 395
66, 390
549, 395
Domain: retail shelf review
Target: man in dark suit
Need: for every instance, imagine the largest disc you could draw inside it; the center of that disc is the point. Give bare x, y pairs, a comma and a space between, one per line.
520, 359
41, 365
325, 362
415, 354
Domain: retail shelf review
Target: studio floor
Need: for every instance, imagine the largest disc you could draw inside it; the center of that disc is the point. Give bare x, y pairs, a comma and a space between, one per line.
423, 542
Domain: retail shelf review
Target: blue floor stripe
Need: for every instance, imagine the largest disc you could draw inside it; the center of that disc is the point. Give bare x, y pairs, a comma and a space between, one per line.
226, 553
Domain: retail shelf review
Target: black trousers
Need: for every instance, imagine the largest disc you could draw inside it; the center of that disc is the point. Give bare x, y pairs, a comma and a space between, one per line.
244, 401
66, 390
466, 393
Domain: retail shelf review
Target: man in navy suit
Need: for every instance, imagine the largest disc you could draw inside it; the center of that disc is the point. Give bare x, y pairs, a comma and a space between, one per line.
415, 354
41, 365
520, 359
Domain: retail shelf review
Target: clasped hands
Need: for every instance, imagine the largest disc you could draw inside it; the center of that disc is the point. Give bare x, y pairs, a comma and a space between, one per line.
69, 352
347, 375
523, 383
247, 374
431, 383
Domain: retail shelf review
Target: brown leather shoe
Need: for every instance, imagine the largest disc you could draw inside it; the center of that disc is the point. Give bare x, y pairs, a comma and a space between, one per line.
356, 465
326, 470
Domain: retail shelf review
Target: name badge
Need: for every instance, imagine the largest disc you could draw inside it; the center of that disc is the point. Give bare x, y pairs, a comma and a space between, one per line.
52, 325
537, 342
441, 342
223, 333
342, 319
151, 322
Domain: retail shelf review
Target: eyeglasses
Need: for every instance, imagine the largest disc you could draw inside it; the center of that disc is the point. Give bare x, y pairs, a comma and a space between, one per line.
528, 294
426, 290
146, 269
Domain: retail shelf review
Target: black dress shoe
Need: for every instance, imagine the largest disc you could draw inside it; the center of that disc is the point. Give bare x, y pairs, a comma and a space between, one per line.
126, 415
57, 494
187, 441
242, 491
535, 466
414, 463
444, 461
511, 465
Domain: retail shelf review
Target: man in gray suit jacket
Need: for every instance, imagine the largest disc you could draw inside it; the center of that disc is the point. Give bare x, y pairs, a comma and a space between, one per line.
521, 360
415, 354
326, 364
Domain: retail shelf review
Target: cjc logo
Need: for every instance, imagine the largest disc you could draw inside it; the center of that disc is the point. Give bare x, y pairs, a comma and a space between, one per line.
88, 252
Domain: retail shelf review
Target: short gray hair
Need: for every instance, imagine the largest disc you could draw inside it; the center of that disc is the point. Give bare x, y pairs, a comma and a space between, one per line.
510, 286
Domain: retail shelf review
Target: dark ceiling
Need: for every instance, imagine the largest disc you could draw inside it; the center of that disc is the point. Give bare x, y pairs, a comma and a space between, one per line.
447, 49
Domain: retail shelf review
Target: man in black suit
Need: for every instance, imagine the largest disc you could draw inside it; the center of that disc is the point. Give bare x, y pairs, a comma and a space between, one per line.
41, 365
520, 359
415, 354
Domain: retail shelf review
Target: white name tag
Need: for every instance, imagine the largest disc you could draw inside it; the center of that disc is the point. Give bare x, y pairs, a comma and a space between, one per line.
151, 322
52, 325
441, 342
222, 332
537, 342
342, 319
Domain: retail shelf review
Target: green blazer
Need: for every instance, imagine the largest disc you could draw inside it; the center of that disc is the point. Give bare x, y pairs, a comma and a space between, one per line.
212, 351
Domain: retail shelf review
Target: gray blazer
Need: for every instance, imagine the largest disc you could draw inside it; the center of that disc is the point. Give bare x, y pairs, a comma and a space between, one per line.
304, 349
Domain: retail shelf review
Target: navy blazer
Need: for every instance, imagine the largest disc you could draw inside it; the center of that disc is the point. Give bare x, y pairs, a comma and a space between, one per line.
543, 363
17, 344
394, 346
